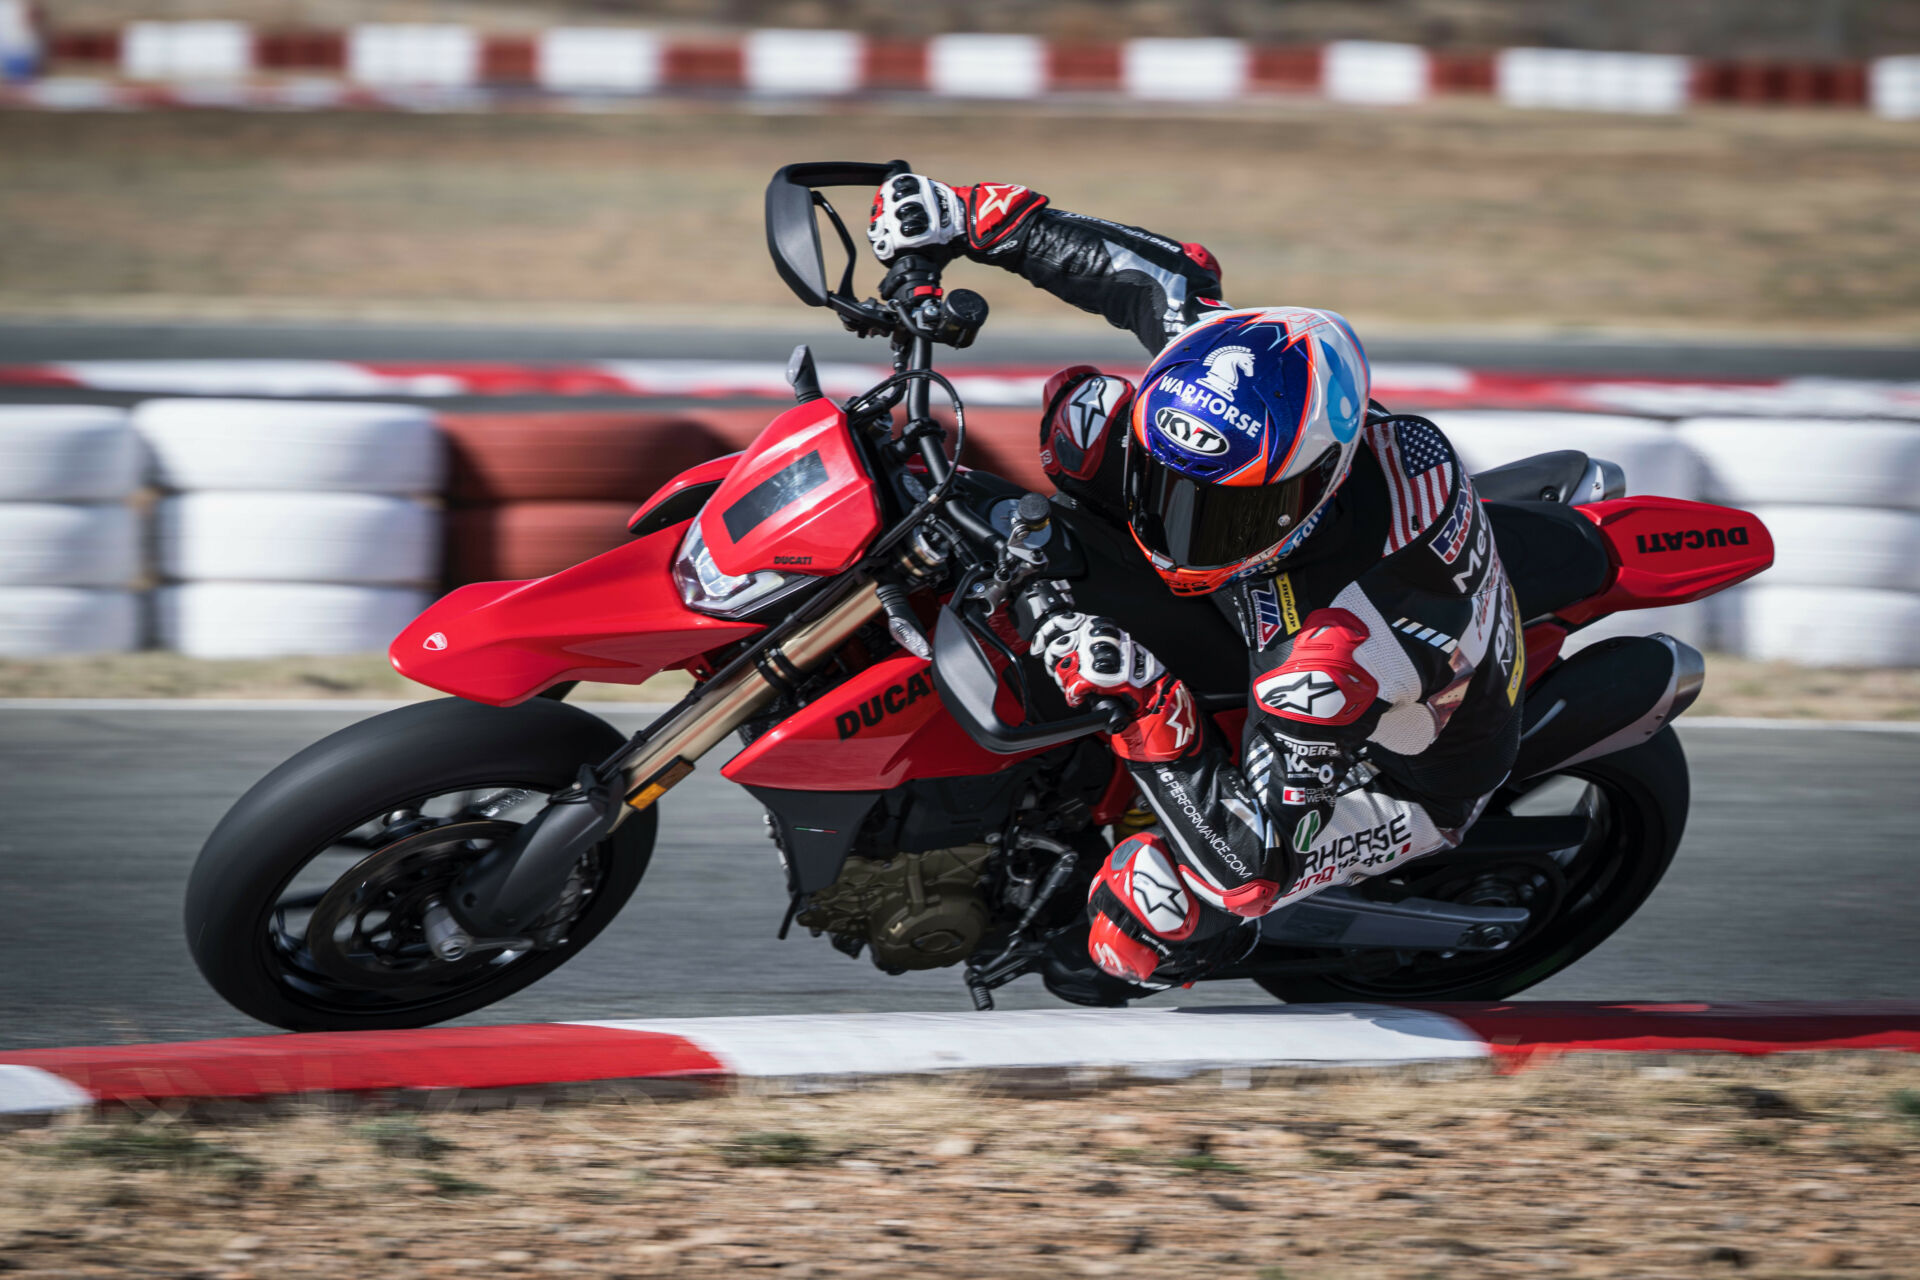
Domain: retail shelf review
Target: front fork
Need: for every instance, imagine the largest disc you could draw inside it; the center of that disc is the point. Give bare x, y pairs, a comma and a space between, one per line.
508, 888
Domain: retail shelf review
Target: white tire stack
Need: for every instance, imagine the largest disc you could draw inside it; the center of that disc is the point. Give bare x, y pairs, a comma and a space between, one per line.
69, 543
1654, 458
1842, 500
292, 528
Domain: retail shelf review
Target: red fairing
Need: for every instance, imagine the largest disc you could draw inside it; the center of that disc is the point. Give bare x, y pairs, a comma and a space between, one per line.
798, 501
1671, 551
616, 618
705, 473
1543, 641
876, 731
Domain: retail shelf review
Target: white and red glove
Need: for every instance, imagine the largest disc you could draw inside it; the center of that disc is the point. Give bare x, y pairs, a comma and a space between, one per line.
1091, 657
913, 212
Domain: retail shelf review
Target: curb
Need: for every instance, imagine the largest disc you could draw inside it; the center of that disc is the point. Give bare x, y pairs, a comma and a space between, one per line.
1145, 1043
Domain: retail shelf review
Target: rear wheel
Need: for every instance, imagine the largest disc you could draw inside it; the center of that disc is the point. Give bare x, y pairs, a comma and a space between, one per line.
1635, 806
314, 903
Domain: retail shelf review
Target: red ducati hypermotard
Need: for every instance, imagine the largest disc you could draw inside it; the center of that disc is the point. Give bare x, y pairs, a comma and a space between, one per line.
933, 800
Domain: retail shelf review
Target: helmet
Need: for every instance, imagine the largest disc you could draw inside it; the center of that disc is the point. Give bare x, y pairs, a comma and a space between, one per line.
1243, 428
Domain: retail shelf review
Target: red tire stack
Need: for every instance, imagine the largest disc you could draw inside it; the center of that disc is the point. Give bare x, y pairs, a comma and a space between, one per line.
532, 493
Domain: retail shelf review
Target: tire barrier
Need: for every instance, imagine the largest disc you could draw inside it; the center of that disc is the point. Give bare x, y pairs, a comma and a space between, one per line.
339, 497
68, 453
1821, 626
1819, 546
1655, 460
531, 539
1807, 460
291, 444
591, 457
45, 622
271, 619
361, 539
69, 543
294, 527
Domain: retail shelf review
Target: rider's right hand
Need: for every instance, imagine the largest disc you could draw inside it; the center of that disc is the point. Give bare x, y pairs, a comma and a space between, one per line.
912, 214
1091, 657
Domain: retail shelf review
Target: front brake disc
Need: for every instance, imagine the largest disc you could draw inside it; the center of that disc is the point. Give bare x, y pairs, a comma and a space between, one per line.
368, 931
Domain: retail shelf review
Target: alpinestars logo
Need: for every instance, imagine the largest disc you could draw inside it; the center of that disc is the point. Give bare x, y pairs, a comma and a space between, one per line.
996, 201
1163, 906
1225, 368
1313, 695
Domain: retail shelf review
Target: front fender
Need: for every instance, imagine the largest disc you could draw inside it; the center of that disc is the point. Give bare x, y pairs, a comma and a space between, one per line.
616, 618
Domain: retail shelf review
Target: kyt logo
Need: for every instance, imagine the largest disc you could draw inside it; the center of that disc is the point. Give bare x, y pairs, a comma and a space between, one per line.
877, 708
1690, 539
1189, 433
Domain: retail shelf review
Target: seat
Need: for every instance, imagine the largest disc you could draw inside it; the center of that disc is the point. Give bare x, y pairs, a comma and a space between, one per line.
1545, 477
1554, 556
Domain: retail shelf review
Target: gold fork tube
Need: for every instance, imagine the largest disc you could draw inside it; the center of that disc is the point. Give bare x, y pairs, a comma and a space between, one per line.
721, 709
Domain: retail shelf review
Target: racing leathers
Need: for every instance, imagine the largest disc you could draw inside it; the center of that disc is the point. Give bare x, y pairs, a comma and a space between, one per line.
1384, 657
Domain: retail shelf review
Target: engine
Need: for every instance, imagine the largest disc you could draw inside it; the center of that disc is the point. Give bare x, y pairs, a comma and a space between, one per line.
916, 910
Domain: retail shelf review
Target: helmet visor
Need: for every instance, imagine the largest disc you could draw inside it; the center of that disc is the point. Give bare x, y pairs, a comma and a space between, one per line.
1198, 525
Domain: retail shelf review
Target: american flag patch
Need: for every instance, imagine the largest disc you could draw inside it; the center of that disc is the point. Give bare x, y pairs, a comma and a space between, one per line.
1419, 470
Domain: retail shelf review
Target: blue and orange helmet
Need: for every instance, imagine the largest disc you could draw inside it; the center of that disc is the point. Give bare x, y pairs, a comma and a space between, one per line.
1243, 428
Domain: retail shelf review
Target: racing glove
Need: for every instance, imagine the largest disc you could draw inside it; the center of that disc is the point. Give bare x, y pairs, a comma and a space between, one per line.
1091, 657
914, 214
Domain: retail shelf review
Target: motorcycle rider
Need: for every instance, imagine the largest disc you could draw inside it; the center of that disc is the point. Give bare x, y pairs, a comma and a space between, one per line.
1344, 542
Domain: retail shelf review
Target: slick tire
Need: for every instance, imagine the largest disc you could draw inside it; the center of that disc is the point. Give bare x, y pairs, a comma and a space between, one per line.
1647, 793
366, 769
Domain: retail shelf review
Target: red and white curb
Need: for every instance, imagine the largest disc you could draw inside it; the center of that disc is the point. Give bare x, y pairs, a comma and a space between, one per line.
449, 65
1150, 1043
1430, 386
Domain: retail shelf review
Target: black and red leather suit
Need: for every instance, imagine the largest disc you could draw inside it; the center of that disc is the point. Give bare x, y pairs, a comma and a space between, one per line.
1384, 660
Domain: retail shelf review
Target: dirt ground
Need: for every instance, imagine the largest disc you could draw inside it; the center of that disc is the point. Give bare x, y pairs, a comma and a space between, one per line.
1462, 214
1770, 1168
1735, 686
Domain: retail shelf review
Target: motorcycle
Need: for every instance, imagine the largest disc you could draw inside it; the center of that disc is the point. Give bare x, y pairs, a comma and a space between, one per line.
850, 602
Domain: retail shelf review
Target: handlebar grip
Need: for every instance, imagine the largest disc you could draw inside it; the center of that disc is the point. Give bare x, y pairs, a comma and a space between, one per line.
1118, 714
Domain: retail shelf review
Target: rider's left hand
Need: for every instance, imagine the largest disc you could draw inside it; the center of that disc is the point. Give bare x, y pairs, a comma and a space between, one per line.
912, 213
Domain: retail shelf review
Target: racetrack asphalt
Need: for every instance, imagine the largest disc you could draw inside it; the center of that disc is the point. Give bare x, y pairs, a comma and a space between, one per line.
1797, 880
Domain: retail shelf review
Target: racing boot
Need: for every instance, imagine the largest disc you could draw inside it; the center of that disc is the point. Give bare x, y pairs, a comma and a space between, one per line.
1147, 929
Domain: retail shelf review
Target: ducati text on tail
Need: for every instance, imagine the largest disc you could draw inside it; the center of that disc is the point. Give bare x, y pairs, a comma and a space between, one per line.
854, 606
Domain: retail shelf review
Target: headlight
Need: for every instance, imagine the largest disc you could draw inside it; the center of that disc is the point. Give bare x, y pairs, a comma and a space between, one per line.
704, 587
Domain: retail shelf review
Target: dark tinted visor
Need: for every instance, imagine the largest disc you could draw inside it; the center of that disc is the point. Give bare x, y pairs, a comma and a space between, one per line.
1198, 525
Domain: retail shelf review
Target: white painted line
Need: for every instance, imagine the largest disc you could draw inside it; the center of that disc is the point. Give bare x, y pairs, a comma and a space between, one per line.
26, 1091
1151, 1042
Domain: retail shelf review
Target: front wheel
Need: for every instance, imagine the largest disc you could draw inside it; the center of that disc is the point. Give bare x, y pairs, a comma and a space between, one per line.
312, 904
1635, 806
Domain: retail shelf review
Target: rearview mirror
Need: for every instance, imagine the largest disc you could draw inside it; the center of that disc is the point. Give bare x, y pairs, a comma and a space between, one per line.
793, 227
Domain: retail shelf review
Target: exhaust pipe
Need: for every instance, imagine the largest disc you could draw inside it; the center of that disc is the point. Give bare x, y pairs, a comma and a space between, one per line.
507, 889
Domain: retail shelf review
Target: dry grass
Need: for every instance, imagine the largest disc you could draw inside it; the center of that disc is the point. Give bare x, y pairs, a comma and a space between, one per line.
1779, 1168
1462, 214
